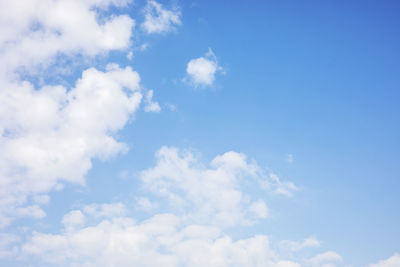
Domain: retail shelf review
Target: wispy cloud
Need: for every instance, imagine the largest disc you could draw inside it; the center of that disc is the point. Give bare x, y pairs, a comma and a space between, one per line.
158, 19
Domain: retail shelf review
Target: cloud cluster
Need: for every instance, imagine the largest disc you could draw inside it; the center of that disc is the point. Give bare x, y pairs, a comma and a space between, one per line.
207, 202
201, 204
35, 31
50, 133
162, 240
201, 71
209, 194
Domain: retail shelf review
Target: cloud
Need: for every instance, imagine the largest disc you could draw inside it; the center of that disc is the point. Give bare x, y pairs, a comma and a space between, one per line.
207, 200
290, 158
51, 134
143, 203
8, 245
201, 71
393, 261
297, 246
208, 194
150, 105
159, 19
73, 219
325, 259
162, 240
34, 32
285, 188
165, 239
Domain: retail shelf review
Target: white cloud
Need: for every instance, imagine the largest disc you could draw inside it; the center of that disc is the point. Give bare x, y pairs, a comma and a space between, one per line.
51, 134
325, 259
105, 210
73, 219
35, 31
285, 188
129, 55
8, 245
259, 209
171, 107
150, 105
393, 261
211, 194
290, 158
201, 71
158, 19
162, 240
208, 194
206, 200
297, 246
145, 204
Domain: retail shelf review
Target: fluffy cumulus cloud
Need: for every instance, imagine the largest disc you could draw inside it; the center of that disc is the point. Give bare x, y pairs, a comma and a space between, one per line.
205, 201
162, 240
194, 232
210, 194
201, 71
393, 261
50, 133
35, 31
158, 19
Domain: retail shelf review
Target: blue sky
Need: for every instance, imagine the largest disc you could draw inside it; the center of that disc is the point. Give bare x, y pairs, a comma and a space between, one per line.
259, 134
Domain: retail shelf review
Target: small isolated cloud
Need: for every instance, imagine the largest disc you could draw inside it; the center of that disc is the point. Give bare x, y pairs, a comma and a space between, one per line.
158, 19
290, 158
171, 107
201, 71
129, 55
285, 188
150, 105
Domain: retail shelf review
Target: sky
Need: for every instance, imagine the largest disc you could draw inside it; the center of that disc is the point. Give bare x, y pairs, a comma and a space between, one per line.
199, 133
